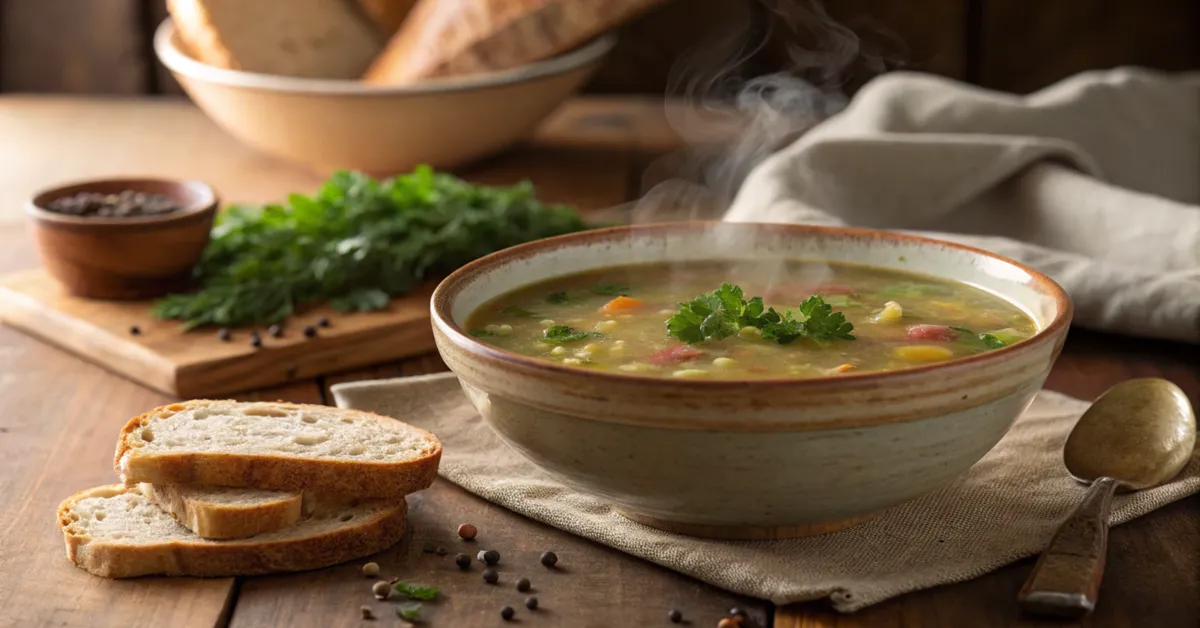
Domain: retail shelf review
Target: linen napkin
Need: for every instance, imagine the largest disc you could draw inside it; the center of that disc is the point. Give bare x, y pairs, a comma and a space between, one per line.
1005, 507
1094, 181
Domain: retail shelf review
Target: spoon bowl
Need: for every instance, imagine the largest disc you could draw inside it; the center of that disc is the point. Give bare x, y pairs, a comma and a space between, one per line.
1140, 432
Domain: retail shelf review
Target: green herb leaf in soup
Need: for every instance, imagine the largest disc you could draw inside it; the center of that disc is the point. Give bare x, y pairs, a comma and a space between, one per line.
557, 298
562, 334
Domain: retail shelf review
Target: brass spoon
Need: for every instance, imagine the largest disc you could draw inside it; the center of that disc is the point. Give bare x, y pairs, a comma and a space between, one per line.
1137, 435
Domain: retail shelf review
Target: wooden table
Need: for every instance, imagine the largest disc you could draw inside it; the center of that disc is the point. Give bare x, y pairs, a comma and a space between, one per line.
59, 416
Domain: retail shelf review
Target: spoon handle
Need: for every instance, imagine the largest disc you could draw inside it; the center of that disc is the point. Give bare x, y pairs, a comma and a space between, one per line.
1066, 579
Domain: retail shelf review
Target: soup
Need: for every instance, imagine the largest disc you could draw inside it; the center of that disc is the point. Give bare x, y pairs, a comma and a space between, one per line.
748, 320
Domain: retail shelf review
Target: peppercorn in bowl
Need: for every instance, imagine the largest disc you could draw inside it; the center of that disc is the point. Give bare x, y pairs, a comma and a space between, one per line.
122, 238
745, 380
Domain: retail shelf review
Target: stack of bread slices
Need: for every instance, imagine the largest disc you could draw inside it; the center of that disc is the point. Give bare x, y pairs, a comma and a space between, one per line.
223, 488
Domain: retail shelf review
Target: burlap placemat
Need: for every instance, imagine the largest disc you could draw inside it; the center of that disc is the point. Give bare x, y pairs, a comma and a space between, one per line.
1004, 508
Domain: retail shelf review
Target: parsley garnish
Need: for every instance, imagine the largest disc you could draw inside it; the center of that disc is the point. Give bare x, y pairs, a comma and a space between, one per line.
611, 289
987, 340
356, 243
415, 591
561, 334
721, 313
517, 311
557, 298
409, 610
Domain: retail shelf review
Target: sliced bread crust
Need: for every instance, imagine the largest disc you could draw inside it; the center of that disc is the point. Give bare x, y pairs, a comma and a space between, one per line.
116, 532
214, 512
277, 446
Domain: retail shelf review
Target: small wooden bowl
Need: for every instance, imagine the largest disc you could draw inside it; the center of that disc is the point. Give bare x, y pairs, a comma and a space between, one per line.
124, 258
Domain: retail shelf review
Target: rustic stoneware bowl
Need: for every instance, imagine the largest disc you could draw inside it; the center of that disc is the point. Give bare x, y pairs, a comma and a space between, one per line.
335, 124
124, 258
750, 459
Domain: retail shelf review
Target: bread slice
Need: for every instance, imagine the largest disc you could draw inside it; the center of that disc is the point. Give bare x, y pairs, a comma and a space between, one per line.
214, 512
115, 532
303, 38
442, 38
386, 15
277, 446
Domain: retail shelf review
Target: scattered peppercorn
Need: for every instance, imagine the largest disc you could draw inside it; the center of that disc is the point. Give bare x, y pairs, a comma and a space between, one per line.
255, 340
370, 570
125, 204
675, 616
441, 551
366, 612
382, 590
224, 334
490, 576
310, 332
523, 585
135, 330
730, 622
531, 602
737, 612
463, 561
491, 557
507, 613
323, 322
275, 331
549, 559
467, 532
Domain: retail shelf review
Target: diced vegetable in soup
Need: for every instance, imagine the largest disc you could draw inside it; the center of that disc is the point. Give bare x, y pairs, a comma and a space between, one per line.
749, 320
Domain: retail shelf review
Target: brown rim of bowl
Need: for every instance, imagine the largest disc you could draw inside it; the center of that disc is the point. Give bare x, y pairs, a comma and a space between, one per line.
179, 61
207, 201
447, 290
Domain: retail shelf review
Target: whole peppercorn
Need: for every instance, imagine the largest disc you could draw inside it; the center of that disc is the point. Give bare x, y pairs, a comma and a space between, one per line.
490, 576
255, 340
491, 557
507, 613
463, 561
737, 612
310, 332
675, 616
441, 551
224, 334
531, 602
523, 585
135, 330
382, 590
322, 322
370, 570
549, 559
467, 532
366, 612
275, 331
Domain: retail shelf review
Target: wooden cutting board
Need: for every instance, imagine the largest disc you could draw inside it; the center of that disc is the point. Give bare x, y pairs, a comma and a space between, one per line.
199, 363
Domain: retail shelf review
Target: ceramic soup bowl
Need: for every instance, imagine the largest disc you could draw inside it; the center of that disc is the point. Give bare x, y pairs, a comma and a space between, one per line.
750, 459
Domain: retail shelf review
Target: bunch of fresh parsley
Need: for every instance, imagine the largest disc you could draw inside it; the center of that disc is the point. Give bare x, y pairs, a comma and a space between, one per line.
356, 243
723, 312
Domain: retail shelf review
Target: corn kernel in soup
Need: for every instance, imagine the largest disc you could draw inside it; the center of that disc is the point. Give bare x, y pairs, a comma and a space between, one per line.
616, 319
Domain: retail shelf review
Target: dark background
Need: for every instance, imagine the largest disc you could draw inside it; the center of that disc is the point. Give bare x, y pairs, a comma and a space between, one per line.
103, 46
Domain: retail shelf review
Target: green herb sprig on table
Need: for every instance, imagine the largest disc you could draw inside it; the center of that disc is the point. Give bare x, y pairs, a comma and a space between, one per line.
723, 312
356, 243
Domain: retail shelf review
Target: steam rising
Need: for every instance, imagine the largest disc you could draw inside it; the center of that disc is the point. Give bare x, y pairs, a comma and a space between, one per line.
732, 122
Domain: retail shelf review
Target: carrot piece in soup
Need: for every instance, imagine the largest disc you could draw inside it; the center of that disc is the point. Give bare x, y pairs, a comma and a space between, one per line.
931, 332
844, 367
622, 303
675, 355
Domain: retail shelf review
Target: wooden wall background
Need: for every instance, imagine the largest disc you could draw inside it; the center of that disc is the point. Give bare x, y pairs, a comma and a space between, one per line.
103, 46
